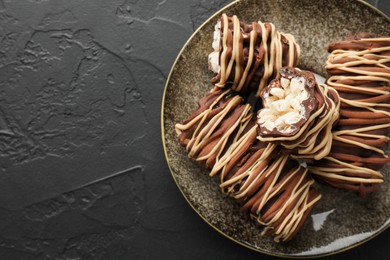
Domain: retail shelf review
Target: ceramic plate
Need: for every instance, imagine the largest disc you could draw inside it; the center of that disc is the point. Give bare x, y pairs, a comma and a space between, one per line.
342, 219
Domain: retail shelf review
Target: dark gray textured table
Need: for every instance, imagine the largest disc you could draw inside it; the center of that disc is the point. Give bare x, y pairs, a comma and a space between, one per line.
82, 168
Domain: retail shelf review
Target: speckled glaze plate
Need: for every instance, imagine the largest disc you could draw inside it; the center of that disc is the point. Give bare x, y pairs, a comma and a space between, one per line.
341, 220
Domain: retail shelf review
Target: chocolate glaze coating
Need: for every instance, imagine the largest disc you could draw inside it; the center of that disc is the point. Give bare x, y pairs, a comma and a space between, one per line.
248, 168
253, 59
201, 132
361, 75
355, 42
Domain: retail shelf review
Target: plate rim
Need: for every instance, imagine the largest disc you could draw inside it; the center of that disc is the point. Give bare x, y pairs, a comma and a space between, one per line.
162, 124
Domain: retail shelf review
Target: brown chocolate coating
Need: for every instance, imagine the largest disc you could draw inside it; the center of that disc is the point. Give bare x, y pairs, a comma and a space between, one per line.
359, 72
248, 168
215, 119
276, 196
354, 42
246, 58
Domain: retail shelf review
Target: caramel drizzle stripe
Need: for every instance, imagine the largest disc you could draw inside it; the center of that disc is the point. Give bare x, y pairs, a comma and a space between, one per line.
367, 105
291, 222
291, 49
351, 53
358, 78
234, 47
288, 201
362, 129
269, 66
279, 165
234, 147
336, 136
362, 61
325, 174
332, 81
264, 42
368, 73
224, 139
278, 53
335, 172
244, 189
337, 54
253, 36
379, 39
366, 135
223, 57
242, 127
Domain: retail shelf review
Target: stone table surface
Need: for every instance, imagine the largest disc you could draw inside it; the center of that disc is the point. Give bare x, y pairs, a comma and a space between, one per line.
82, 168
